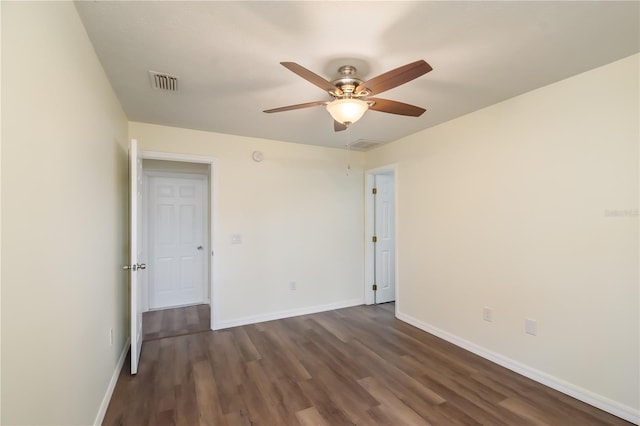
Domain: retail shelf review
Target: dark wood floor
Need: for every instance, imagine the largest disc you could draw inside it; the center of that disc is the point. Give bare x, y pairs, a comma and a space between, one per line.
389, 306
175, 322
351, 366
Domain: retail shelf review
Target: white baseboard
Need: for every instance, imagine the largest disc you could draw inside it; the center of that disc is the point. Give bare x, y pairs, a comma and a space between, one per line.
219, 325
112, 384
598, 401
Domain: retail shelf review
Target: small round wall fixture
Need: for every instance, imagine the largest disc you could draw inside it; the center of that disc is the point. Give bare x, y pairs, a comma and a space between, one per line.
257, 156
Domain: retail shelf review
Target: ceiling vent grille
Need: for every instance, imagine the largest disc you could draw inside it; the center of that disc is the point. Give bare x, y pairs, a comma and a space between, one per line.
365, 144
163, 81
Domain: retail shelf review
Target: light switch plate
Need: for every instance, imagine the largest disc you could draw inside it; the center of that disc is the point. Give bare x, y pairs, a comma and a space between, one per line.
531, 326
487, 314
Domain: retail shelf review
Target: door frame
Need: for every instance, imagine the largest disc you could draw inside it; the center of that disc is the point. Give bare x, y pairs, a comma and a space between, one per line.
146, 234
213, 181
369, 228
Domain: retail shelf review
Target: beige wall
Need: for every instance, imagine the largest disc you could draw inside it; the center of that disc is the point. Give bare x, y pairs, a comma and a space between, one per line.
299, 214
64, 175
510, 207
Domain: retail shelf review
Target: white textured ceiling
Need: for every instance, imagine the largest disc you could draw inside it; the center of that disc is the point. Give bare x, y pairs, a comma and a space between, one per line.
227, 56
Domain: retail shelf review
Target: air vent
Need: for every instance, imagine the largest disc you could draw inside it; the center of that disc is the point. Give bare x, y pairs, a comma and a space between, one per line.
365, 144
162, 81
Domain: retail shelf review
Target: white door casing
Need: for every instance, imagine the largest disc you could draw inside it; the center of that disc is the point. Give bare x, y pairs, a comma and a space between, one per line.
176, 240
385, 232
135, 201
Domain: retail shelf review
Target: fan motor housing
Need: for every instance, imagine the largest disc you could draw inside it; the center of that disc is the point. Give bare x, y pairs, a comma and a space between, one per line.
348, 80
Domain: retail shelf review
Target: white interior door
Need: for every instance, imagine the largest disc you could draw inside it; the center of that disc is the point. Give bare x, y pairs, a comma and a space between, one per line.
176, 241
385, 248
135, 268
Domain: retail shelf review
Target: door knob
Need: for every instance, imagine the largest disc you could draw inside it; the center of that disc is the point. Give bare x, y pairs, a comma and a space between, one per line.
134, 267
199, 247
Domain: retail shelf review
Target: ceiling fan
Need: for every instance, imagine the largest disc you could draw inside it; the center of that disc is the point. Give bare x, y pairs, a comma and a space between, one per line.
351, 94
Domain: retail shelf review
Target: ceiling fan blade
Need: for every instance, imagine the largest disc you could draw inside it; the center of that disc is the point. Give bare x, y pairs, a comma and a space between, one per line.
338, 126
395, 107
394, 78
297, 106
312, 77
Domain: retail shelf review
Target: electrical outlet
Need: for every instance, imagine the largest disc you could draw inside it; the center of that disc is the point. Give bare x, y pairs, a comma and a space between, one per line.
487, 314
111, 337
531, 326
292, 285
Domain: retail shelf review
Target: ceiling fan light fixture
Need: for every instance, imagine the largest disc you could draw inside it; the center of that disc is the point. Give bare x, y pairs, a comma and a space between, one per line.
347, 111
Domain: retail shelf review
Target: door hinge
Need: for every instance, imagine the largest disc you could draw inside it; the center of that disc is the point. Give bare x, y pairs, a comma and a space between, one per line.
374, 191
374, 239
374, 287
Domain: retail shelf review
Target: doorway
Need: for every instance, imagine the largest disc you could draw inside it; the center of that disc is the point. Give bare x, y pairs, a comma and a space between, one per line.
177, 240
381, 284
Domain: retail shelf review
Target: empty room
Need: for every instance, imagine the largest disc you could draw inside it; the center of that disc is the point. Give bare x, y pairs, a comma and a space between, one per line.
319, 213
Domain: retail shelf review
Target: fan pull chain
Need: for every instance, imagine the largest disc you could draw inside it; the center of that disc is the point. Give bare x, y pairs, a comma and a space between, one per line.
348, 149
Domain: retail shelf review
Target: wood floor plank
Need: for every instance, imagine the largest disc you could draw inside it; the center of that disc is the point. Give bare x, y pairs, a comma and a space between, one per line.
527, 411
394, 407
352, 400
351, 366
472, 398
321, 399
256, 406
333, 326
282, 359
223, 360
470, 404
337, 354
277, 413
396, 378
310, 417
287, 356
174, 322
238, 418
245, 346
207, 395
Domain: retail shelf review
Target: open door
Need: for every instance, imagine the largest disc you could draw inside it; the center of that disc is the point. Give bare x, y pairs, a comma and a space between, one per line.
135, 268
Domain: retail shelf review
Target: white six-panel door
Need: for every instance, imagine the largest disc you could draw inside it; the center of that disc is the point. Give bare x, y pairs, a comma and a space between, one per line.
385, 248
176, 241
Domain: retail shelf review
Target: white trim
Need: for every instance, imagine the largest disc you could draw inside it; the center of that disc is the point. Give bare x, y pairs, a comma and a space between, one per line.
213, 193
170, 156
369, 229
287, 314
112, 384
368, 233
584, 395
